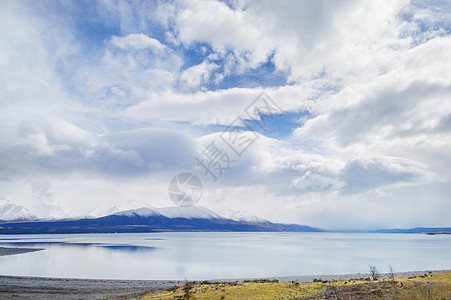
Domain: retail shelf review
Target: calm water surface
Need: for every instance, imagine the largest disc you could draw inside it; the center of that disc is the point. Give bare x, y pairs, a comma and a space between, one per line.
221, 255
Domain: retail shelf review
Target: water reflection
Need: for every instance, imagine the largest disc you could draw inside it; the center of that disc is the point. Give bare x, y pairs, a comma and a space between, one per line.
117, 247
129, 248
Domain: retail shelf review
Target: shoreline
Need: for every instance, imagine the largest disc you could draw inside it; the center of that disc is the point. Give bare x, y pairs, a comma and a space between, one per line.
13, 251
12, 287
332, 277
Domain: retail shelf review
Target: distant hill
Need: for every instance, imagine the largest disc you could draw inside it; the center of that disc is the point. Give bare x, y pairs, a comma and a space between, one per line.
194, 218
426, 230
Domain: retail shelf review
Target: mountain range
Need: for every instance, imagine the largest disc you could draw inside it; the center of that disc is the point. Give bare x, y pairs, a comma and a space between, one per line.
16, 219
144, 219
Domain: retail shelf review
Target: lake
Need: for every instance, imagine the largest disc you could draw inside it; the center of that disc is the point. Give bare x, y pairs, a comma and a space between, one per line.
220, 255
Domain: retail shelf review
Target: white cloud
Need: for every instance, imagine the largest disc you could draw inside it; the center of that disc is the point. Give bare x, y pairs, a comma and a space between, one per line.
306, 38
197, 75
137, 41
54, 146
224, 29
217, 107
314, 181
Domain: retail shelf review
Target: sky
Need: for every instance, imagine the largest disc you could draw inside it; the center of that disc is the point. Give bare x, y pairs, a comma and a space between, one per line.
103, 102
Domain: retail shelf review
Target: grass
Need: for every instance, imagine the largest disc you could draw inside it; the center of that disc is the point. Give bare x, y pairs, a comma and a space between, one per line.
427, 286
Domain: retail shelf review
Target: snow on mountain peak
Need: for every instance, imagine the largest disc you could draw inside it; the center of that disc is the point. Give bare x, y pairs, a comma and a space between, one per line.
105, 210
242, 216
188, 212
10, 211
141, 212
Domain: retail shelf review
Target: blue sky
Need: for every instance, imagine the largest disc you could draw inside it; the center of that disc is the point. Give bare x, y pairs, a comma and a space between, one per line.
103, 102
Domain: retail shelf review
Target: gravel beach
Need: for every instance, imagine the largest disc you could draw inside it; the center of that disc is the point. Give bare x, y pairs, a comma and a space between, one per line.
13, 287
13, 251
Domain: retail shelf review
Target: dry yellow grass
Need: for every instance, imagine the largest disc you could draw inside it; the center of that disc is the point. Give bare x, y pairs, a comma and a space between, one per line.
244, 290
429, 286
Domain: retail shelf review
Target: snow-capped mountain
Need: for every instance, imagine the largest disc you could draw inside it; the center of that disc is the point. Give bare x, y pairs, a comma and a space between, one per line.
10, 212
102, 211
105, 210
141, 212
148, 219
188, 212
242, 216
